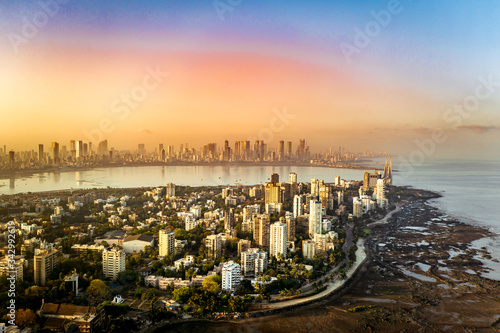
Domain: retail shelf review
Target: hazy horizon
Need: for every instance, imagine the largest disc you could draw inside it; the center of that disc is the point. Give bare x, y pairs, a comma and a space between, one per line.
231, 69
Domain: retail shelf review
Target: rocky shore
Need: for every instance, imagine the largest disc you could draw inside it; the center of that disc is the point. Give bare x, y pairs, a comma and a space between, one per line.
424, 273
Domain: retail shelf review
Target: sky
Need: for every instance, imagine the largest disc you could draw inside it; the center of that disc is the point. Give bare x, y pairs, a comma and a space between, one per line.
399, 76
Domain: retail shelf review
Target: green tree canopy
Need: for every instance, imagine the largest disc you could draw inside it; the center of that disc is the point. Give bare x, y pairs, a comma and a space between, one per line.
98, 290
211, 284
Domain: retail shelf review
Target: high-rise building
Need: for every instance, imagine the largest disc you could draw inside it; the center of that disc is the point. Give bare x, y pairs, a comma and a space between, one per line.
301, 150
388, 172
79, 149
381, 200
113, 262
289, 150
315, 217
45, 261
40, 153
213, 243
273, 193
281, 150
316, 184
262, 226
166, 243
231, 276
340, 197
308, 248
293, 178
170, 190
275, 178
278, 240
290, 227
325, 196
370, 180
102, 148
229, 220
141, 147
12, 159
54, 150
337, 180
298, 206
253, 262
357, 207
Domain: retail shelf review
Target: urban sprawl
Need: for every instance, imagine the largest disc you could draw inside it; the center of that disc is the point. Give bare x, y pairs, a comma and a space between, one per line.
115, 259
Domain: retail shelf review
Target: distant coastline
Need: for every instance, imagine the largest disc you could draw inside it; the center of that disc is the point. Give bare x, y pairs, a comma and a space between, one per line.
8, 174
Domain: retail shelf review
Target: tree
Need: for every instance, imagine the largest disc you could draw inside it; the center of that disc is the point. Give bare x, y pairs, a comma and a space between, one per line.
211, 284
190, 273
182, 295
98, 291
25, 318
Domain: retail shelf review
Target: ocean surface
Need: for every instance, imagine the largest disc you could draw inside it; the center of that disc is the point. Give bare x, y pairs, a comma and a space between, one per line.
470, 189
148, 176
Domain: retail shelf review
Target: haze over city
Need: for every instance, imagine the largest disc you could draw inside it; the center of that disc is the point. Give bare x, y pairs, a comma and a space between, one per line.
229, 68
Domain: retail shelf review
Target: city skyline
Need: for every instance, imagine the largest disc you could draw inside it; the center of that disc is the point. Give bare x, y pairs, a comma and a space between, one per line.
224, 74
79, 153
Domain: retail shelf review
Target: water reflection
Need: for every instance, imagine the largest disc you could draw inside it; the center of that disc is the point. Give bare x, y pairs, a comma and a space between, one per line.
150, 176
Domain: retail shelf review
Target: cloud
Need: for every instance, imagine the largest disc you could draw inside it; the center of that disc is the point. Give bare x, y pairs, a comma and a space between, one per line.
423, 130
479, 128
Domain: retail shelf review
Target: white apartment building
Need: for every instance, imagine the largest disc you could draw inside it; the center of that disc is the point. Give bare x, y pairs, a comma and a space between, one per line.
253, 262
315, 217
278, 241
113, 262
231, 276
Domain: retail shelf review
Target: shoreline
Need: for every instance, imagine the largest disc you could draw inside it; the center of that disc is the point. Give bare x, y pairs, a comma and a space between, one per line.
9, 174
308, 304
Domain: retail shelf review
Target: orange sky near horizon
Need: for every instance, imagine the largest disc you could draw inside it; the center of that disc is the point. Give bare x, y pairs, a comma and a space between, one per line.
60, 93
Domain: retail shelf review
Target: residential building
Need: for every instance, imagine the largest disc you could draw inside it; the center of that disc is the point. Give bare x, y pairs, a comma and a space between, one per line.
278, 241
357, 207
15, 265
170, 190
253, 262
45, 261
213, 244
243, 245
315, 217
290, 227
308, 249
231, 276
262, 226
298, 206
166, 242
113, 262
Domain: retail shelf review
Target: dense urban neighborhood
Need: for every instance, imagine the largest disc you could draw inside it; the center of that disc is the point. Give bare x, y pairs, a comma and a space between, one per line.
107, 259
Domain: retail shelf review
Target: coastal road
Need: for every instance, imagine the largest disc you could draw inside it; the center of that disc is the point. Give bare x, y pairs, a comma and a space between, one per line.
347, 244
